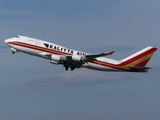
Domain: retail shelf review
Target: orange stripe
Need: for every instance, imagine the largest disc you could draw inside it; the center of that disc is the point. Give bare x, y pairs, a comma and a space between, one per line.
59, 53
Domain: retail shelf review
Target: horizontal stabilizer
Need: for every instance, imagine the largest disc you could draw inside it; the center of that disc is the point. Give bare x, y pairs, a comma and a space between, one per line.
139, 68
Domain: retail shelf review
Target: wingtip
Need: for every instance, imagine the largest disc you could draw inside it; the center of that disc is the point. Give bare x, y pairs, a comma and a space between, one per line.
110, 53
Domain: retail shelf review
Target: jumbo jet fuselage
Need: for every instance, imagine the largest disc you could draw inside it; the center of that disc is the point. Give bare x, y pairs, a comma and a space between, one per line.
70, 58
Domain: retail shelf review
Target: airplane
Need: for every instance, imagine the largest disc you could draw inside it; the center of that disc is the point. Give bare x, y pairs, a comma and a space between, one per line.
76, 59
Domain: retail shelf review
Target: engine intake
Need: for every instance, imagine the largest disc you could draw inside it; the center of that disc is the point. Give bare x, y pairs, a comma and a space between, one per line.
78, 58
55, 57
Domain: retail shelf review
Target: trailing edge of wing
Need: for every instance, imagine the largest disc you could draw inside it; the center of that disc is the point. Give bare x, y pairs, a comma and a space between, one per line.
92, 56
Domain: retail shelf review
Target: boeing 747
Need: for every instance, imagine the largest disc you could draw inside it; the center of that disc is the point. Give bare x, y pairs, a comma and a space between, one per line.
76, 59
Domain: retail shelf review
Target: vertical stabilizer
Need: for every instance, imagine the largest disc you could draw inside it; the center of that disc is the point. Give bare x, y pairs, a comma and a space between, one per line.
140, 58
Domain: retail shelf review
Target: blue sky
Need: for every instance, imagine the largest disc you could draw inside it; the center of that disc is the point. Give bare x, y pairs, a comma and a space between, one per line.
33, 89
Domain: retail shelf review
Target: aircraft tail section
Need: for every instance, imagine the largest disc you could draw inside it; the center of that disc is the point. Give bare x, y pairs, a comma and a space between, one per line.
138, 61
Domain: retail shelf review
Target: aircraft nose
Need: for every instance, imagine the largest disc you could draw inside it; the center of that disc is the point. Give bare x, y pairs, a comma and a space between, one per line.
6, 41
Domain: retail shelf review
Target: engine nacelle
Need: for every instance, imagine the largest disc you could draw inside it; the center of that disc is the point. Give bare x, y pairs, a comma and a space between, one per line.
78, 58
54, 62
56, 57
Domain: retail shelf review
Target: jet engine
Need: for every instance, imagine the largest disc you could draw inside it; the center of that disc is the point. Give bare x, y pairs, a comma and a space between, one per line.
78, 58
57, 59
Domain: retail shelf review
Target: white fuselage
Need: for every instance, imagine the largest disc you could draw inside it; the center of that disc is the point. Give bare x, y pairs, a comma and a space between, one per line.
42, 48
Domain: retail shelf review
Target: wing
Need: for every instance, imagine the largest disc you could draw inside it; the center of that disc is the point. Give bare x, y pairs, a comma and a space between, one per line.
73, 61
93, 56
76, 61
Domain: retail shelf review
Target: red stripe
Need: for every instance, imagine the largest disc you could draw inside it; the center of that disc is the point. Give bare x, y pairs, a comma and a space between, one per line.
59, 52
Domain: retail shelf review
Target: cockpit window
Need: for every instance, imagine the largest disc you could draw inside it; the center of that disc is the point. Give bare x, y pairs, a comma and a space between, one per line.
17, 36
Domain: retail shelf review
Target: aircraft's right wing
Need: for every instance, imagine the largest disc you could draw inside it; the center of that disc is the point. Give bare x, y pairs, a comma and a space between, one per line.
73, 61
93, 56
